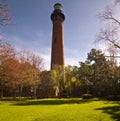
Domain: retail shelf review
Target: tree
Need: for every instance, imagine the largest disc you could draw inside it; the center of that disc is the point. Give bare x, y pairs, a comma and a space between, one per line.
85, 74
6, 52
18, 71
97, 74
52, 83
31, 66
46, 88
110, 32
5, 18
10, 75
72, 84
34, 59
98, 69
29, 76
58, 76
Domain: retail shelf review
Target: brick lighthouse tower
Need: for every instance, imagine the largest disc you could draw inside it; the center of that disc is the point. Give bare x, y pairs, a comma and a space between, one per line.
57, 53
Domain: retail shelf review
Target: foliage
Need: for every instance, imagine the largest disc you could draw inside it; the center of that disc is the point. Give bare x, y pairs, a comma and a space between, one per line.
18, 72
113, 97
58, 76
6, 52
103, 76
20, 75
46, 86
73, 83
97, 78
52, 83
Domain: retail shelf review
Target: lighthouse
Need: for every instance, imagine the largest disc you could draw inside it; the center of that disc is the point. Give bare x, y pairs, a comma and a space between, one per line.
57, 51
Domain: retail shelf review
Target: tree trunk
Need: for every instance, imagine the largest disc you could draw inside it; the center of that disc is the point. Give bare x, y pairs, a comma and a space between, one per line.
2, 90
20, 92
35, 89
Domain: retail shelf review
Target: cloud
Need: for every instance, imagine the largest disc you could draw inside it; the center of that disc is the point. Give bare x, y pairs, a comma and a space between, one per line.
72, 56
17, 42
71, 61
45, 53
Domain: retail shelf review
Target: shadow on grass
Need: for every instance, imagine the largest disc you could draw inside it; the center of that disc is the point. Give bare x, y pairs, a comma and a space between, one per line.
114, 111
52, 102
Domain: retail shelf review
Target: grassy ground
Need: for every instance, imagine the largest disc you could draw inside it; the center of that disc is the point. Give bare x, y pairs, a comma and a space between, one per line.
60, 110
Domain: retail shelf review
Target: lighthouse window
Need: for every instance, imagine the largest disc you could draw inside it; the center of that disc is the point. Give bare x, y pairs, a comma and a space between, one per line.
55, 40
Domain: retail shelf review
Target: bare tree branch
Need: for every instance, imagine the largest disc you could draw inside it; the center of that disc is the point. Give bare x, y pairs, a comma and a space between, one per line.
5, 18
110, 33
108, 14
117, 1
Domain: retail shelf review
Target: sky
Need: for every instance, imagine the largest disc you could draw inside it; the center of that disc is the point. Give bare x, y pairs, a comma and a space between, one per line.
33, 27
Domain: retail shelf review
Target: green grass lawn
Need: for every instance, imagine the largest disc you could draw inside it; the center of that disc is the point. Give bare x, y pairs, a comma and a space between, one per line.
74, 109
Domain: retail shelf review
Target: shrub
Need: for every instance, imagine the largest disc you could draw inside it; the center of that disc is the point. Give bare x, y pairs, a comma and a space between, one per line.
114, 98
87, 96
